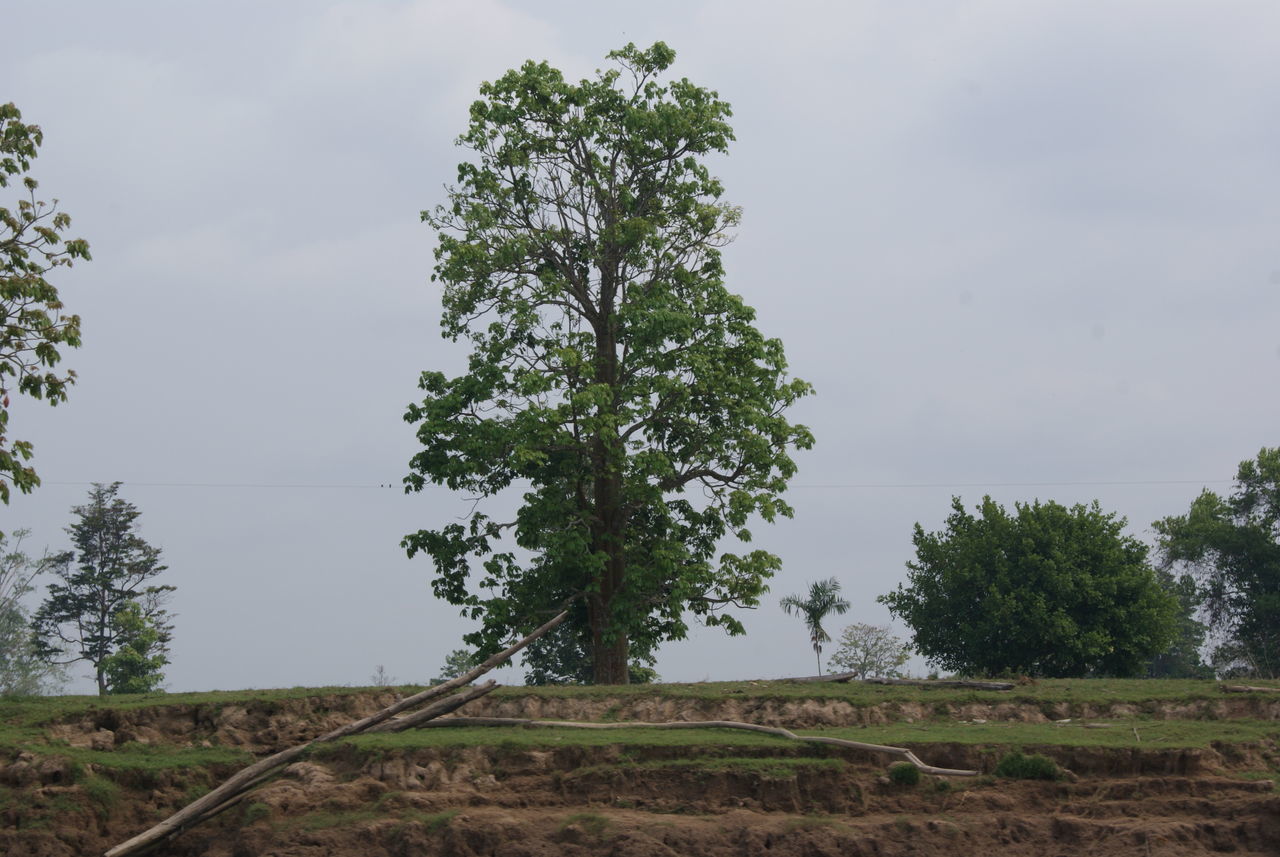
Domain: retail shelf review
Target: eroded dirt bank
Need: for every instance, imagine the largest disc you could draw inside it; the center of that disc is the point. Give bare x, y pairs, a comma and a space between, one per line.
631, 801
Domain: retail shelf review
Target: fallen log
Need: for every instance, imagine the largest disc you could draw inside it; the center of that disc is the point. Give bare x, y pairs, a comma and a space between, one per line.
847, 678
1246, 688
259, 772
900, 752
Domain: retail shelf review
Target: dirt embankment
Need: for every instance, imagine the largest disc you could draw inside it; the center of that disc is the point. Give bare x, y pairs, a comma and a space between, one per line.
640, 801
266, 726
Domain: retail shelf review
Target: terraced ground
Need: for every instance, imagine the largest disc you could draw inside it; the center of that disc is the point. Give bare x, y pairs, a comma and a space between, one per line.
1141, 768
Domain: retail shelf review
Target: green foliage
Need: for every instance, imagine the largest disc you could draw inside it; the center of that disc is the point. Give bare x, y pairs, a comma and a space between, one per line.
255, 812
1046, 591
1182, 659
823, 600
87, 612
612, 377
870, 650
456, 663
136, 666
562, 657
1015, 766
1232, 546
904, 774
32, 322
23, 672
102, 793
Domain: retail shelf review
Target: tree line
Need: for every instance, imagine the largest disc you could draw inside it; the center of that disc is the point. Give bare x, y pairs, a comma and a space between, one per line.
627, 397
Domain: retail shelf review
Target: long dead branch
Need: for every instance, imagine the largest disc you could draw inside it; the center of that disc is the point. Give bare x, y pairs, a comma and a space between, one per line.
260, 771
1247, 688
906, 682
900, 752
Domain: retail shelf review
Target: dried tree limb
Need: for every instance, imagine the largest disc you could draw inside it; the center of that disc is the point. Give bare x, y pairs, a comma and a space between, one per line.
263, 769
907, 682
1246, 688
900, 752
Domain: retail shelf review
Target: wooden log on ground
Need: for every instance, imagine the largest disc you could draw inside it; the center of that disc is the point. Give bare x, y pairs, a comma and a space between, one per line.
1246, 688
257, 773
899, 752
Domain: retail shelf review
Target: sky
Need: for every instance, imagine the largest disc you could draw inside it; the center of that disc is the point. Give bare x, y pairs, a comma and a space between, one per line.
1025, 249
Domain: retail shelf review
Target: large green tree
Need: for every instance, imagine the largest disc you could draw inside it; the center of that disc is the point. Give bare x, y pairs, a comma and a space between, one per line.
33, 324
1045, 591
1232, 546
613, 380
103, 602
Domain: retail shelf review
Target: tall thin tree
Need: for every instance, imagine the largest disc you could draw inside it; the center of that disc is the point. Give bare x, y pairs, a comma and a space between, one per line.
824, 599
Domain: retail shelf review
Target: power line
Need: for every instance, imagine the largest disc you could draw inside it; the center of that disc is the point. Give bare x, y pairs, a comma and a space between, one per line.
1065, 483
1062, 483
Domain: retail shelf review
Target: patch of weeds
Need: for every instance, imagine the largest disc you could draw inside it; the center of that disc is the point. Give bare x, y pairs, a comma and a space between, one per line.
808, 822
1016, 766
594, 825
942, 786
254, 812
103, 794
904, 774
434, 822
326, 820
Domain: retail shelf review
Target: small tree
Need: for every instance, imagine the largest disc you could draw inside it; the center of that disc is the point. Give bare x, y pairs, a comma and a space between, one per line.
109, 568
22, 671
870, 650
1045, 591
141, 653
32, 323
455, 664
824, 599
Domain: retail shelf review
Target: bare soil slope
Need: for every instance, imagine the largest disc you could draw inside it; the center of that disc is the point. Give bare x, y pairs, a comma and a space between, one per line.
69, 792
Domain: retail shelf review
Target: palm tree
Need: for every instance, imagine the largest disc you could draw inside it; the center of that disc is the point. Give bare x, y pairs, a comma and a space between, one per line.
824, 597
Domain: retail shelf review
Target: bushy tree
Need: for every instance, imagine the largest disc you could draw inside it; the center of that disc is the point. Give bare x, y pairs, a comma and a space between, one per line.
1232, 546
86, 614
141, 654
23, 671
870, 650
33, 324
613, 378
823, 600
1045, 591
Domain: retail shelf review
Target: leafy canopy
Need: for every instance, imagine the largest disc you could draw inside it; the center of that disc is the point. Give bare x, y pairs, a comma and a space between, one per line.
613, 379
1045, 591
1232, 547
32, 322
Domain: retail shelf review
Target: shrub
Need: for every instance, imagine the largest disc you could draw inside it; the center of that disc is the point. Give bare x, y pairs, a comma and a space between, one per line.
904, 774
1016, 766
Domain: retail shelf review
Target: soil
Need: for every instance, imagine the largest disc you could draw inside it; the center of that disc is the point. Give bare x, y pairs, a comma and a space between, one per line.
636, 802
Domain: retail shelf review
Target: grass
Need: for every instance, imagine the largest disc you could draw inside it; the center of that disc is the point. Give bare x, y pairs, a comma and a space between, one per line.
35, 711
769, 767
592, 824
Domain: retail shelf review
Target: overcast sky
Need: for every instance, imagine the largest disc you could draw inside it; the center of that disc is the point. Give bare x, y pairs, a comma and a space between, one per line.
1030, 249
